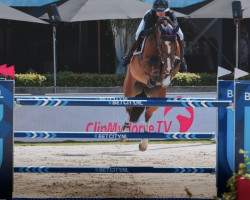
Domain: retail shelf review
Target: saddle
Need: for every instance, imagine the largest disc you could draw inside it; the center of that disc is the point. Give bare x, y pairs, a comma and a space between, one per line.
140, 49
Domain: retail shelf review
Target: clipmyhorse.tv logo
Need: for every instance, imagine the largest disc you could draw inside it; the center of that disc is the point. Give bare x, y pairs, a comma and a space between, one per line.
173, 119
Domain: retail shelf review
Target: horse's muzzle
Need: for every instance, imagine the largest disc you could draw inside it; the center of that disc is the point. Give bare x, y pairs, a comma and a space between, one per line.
166, 81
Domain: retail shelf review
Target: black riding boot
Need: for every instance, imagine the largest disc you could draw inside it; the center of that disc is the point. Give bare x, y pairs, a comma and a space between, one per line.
181, 49
127, 57
183, 67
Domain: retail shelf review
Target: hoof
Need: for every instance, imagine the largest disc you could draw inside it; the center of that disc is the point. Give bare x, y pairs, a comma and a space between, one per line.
143, 145
123, 140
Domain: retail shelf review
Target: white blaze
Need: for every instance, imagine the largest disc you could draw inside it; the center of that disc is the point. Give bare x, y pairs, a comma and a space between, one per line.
168, 58
167, 81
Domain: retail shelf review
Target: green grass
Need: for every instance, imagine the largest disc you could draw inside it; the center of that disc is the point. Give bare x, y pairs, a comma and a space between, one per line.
74, 143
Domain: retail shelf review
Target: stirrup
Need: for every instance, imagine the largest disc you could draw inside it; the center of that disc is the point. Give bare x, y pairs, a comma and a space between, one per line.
124, 56
125, 60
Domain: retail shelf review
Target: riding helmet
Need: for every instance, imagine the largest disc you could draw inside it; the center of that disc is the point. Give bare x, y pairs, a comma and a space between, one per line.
160, 6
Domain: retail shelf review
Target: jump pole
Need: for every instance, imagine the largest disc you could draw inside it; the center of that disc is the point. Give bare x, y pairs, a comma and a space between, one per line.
122, 103
107, 98
114, 135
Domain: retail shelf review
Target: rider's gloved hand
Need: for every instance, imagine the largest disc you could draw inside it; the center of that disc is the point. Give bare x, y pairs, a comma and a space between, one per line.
161, 21
149, 31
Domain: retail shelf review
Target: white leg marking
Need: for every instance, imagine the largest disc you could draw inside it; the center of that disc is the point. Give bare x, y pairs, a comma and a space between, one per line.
126, 129
166, 82
147, 127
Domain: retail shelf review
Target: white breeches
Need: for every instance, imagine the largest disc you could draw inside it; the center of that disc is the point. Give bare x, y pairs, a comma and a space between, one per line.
139, 30
180, 34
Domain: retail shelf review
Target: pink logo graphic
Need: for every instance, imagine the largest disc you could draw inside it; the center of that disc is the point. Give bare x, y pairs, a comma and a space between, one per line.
185, 122
7, 71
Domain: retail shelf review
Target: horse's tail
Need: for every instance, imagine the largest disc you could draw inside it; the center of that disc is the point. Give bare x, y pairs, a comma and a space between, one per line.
137, 111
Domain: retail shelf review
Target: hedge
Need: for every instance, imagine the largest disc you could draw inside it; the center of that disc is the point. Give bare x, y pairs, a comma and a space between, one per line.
70, 79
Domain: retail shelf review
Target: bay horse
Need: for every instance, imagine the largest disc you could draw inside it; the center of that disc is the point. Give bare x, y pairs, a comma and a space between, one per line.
151, 71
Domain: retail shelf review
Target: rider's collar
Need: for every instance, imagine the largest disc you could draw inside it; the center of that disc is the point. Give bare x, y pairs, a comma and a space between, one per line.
167, 10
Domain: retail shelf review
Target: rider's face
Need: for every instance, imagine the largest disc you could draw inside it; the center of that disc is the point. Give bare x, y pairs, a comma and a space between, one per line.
160, 14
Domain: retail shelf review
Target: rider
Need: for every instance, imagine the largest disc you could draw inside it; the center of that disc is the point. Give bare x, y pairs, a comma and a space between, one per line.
148, 25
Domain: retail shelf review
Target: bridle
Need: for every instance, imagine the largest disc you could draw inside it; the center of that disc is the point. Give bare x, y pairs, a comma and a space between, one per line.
160, 43
164, 65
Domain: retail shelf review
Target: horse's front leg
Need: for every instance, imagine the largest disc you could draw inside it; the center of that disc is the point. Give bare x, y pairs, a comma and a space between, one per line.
148, 114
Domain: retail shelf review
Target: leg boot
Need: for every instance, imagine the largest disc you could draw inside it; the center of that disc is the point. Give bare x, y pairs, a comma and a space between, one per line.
182, 49
183, 67
127, 57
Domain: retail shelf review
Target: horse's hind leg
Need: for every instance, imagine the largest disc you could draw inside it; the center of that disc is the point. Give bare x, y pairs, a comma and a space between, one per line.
143, 145
133, 114
128, 89
126, 127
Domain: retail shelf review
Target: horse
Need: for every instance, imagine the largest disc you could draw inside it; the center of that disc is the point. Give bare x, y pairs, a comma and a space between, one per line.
150, 72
